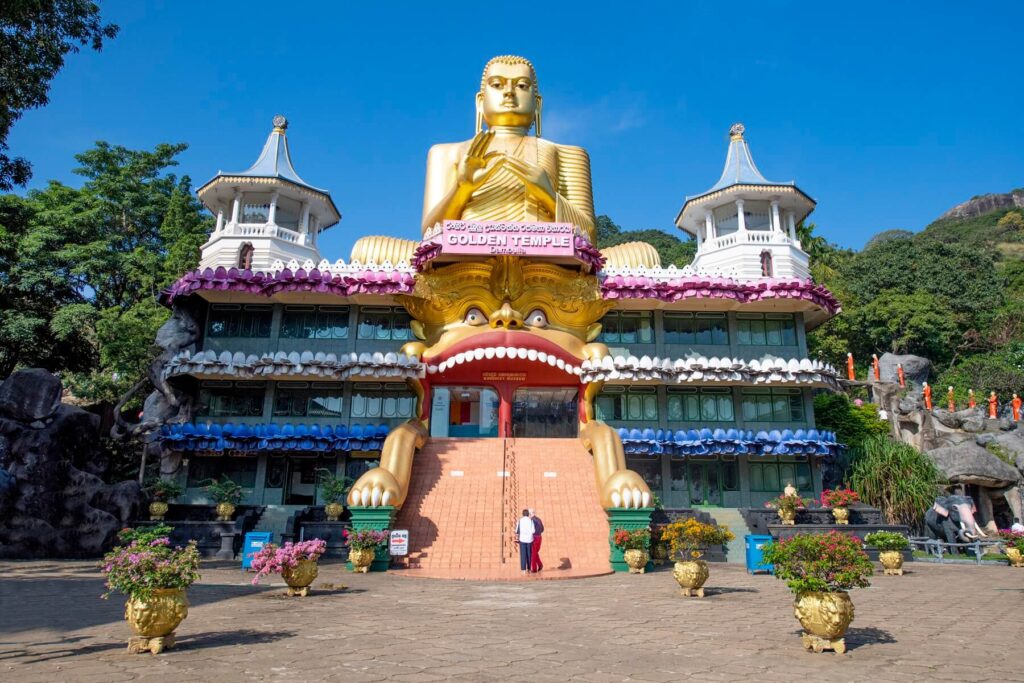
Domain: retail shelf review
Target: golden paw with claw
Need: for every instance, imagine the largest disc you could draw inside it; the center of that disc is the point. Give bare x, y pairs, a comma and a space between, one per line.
626, 489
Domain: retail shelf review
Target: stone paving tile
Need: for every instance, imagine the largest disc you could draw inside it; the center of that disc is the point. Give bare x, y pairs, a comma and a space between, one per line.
957, 623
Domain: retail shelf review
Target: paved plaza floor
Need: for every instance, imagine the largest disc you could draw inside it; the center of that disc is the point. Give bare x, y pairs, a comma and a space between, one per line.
955, 623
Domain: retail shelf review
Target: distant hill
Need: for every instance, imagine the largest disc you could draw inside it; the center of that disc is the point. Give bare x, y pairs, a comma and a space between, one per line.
977, 221
986, 203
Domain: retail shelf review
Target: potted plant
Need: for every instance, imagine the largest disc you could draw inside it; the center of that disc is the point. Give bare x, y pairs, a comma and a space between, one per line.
787, 504
333, 489
153, 576
659, 545
634, 545
295, 562
840, 501
688, 540
161, 491
1013, 546
820, 569
226, 494
362, 547
890, 547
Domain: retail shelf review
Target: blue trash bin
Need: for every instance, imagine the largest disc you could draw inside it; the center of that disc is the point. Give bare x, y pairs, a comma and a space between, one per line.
755, 554
254, 542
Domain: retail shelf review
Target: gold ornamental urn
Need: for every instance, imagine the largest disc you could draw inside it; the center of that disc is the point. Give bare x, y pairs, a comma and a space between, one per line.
787, 516
157, 510
300, 577
636, 560
825, 618
659, 553
691, 575
154, 619
841, 515
361, 559
892, 561
1015, 556
225, 512
333, 511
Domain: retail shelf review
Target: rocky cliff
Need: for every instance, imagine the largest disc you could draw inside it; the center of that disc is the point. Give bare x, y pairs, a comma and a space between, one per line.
986, 203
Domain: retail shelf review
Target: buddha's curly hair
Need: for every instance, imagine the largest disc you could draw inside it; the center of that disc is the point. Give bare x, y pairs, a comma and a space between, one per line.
510, 59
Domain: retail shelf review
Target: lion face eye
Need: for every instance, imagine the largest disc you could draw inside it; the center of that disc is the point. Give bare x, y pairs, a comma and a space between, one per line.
475, 317
537, 318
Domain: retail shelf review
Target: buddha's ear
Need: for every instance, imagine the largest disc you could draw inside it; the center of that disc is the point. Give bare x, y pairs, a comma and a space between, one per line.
536, 115
479, 111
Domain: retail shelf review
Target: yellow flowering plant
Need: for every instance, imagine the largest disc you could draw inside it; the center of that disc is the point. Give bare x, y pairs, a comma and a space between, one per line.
690, 538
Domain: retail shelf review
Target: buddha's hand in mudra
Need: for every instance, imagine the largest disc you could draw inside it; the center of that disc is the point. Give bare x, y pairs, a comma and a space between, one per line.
538, 184
478, 164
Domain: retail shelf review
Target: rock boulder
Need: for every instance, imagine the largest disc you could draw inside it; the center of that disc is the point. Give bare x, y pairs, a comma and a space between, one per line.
30, 395
915, 368
969, 463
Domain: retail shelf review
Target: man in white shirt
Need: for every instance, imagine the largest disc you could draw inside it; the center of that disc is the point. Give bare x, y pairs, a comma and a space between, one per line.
524, 532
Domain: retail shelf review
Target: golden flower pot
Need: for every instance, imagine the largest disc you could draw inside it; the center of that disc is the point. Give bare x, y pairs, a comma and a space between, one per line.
361, 559
157, 510
225, 512
333, 511
300, 577
659, 553
825, 618
636, 560
1015, 556
691, 575
787, 516
841, 515
892, 561
154, 619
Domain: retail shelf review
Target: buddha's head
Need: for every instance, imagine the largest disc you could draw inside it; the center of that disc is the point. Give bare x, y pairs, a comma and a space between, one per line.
508, 95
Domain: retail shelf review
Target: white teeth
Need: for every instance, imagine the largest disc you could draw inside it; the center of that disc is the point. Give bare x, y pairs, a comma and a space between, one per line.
552, 361
522, 353
560, 363
478, 354
460, 358
500, 352
489, 352
532, 354
510, 352
542, 357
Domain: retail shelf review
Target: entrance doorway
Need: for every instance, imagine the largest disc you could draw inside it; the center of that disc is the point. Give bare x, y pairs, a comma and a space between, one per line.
545, 413
705, 480
464, 411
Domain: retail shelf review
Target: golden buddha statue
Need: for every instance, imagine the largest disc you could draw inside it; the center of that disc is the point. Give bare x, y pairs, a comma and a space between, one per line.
503, 173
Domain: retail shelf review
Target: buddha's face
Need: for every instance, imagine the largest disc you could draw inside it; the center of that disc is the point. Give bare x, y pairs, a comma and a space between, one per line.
509, 97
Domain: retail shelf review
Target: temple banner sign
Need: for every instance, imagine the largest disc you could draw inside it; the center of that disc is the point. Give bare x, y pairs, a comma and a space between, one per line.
475, 238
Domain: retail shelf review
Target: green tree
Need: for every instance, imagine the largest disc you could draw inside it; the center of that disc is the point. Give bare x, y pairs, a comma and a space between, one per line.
35, 37
918, 323
670, 248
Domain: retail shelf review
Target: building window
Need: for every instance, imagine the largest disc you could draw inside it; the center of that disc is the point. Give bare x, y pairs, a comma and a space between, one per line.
232, 320
635, 404
242, 471
231, 399
772, 405
772, 477
627, 327
766, 264
245, 253
299, 399
771, 329
315, 322
255, 213
384, 401
700, 405
384, 323
700, 328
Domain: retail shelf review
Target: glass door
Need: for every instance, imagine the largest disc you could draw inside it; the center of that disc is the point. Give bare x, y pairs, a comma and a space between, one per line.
705, 480
543, 413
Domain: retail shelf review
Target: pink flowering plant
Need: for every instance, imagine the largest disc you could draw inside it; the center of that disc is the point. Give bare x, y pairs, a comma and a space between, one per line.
273, 559
827, 563
148, 562
791, 502
839, 498
365, 539
1012, 539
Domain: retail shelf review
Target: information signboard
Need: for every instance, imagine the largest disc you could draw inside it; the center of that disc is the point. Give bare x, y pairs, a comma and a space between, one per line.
399, 542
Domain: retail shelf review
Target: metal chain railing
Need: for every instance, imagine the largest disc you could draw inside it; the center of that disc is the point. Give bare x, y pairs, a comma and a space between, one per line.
510, 502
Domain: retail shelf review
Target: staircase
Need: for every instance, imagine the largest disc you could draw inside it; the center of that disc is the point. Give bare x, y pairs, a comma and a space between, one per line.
467, 494
731, 517
275, 519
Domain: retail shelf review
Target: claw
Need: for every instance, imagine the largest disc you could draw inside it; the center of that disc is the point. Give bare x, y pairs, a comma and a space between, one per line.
375, 496
365, 493
616, 499
386, 498
627, 498
646, 497
636, 496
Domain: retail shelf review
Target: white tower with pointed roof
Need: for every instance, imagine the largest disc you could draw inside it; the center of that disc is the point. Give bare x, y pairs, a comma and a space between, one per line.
745, 225
266, 213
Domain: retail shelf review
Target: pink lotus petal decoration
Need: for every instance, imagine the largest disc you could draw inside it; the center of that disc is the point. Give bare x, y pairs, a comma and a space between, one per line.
642, 287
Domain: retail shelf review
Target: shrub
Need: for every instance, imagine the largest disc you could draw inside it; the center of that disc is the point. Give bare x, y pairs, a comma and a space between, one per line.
224, 490
839, 497
332, 487
690, 538
887, 540
365, 539
139, 568
144, 534
273, 559
164, 489
827, 563
790, 503
851, 423
896, 478
638, 539
1012, 539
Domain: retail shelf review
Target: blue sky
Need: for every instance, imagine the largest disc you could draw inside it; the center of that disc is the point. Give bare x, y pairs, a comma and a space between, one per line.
886, 113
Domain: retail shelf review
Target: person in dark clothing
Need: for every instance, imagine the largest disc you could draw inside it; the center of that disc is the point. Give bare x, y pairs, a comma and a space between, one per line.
538, 529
